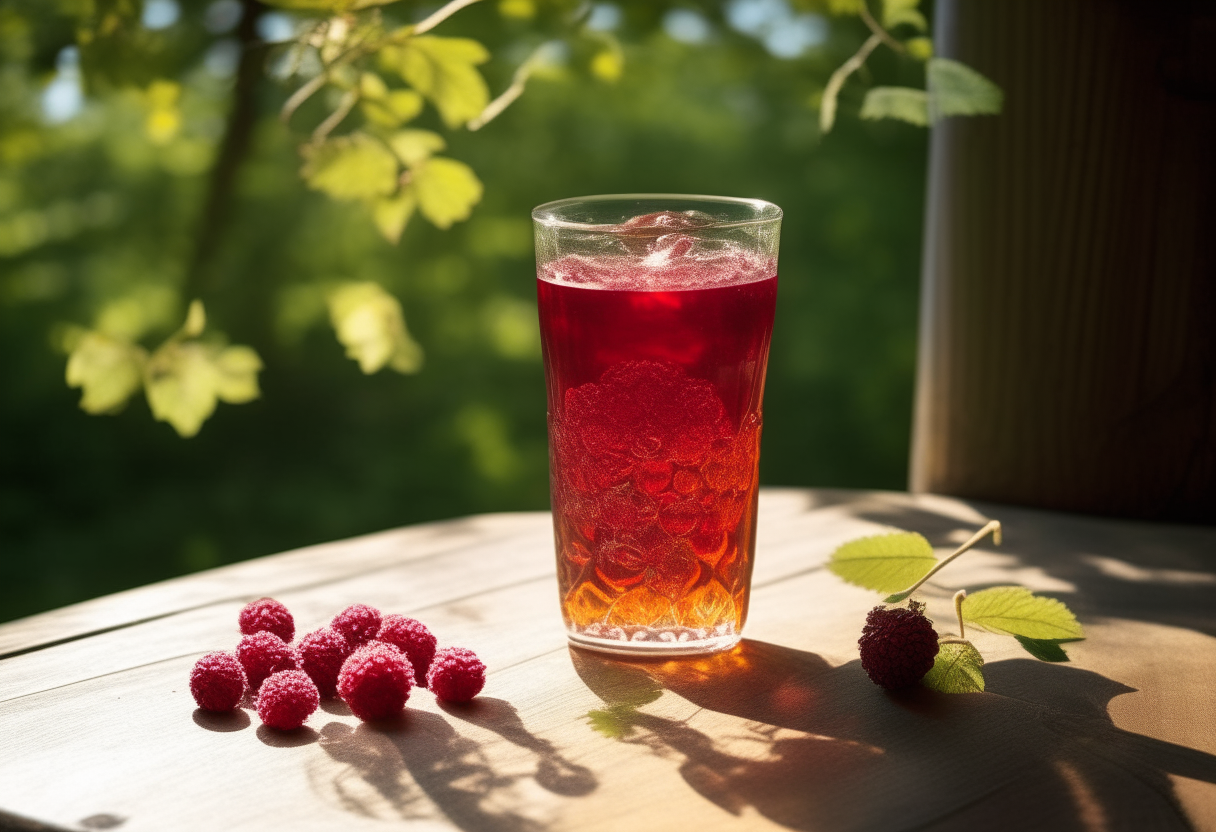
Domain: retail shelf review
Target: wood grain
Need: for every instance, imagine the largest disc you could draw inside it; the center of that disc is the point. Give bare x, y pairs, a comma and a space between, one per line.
1068, 325
786, 731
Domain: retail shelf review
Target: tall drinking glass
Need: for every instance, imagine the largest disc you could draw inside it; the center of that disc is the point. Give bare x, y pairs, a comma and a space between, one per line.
656, 313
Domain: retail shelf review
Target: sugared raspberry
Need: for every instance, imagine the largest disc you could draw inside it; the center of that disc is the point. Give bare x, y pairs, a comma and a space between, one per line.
456, 675
269, 615
375, 681
413, 638
286, 699
321, 655
217, 682
358, 624
264, 653
898, 646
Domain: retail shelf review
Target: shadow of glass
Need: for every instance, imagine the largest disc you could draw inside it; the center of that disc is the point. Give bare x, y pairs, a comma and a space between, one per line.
821, 747
420, 763
235, 720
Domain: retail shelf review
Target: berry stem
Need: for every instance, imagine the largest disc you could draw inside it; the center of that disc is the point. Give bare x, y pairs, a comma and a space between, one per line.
993, 526
958, 610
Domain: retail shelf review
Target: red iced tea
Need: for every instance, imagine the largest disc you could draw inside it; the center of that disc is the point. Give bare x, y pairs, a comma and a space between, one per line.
655, 367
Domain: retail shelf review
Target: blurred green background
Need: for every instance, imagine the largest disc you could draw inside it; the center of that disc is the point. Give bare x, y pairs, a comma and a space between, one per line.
100, 215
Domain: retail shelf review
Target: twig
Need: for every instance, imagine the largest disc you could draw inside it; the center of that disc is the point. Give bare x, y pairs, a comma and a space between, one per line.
335, 118
508, 96
993, 526
881, 32
827, 110
301, 95
441, 15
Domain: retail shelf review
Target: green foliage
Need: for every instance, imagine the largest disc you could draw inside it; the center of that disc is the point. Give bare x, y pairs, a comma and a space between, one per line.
958, 668
956, 89
1045, 649
354, 167
446, 190
444, 70
903, 12
1016, 611
884, 563
370, 324
903, 103
109, 371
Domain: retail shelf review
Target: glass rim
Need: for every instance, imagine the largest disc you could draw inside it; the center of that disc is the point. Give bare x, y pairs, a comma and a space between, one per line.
546, 213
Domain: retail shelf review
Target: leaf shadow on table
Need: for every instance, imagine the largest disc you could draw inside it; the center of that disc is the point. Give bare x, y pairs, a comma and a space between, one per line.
811, 746
404, 768
1158, 573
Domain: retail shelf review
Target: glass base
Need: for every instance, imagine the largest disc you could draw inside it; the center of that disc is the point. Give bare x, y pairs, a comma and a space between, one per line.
654, 641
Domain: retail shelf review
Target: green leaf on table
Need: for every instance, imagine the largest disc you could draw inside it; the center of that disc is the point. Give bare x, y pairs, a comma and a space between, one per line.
956, 89
958, 668
392, 213
1016, 611
903, 103
415, 146
107, 369
899, 12
351, 167
185, 380
1046, 649
885, 562
446, 190
444, 70
370, 324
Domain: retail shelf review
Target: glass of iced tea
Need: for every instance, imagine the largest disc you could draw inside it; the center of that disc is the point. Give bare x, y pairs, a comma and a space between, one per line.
656, 313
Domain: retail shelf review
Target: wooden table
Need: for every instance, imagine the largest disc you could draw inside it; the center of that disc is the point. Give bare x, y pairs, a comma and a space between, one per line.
98, 729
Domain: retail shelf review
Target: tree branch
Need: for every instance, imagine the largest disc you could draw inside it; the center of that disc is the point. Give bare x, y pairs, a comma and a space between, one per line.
441, 15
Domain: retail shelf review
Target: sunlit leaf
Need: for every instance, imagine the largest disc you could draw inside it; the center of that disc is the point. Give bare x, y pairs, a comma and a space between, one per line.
415, 146
372, 86
392, 213
107, 369
370, 324
518, 9
351, 167
956, 89
903, 103
845, 6
196, 320
897, 12
236, 371
884, 563
446, 190
397, 107
1016, 611
919, 48
445, 71
958, 668
335, 6
1045, 649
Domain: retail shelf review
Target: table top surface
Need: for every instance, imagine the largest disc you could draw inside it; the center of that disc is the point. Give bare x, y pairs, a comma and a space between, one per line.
98, 729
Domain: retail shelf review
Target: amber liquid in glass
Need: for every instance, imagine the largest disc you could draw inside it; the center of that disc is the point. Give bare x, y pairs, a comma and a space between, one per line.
655, 384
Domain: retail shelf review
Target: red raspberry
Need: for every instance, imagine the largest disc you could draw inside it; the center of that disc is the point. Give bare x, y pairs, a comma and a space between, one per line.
217, 682
286, 699
321, 655
412, 638
456, 675
358, 624
269, 615
264, 653
898, 646
375, 681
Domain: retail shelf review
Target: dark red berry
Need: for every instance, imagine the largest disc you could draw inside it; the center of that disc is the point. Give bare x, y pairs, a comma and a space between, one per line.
898, 646
412, 638
456, 675
270, 616
321, 655
358, 624
375, 681
217, 682
286, 699
264, 653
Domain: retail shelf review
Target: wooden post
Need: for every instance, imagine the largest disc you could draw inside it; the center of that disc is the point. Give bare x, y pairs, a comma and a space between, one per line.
1068, 322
